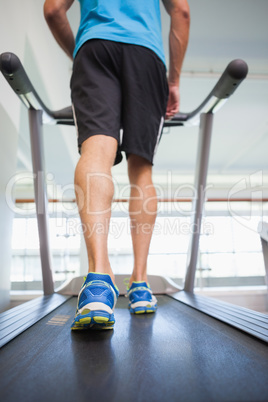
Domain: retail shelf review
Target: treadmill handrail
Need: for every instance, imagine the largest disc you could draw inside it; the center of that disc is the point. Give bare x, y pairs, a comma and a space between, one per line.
13, 71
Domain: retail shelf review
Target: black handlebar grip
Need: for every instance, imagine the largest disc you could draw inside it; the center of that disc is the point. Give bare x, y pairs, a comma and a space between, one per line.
15, 74
233, 75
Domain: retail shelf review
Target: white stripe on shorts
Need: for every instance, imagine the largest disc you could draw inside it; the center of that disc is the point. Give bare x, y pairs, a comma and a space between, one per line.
159, 134
75, 121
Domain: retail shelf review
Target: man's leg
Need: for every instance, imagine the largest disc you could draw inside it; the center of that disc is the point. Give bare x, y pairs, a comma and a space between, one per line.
142, 211
96, 98
94, 192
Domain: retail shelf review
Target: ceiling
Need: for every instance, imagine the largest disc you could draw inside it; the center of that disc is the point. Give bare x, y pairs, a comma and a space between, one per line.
220, 32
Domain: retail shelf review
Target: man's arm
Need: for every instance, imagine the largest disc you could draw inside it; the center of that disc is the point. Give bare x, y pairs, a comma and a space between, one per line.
55, 12
178, 40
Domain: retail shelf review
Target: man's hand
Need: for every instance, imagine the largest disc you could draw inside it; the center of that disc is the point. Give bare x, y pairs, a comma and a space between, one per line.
173, 101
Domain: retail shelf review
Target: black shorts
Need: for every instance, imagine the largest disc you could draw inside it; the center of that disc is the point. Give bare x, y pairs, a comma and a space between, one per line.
118, 86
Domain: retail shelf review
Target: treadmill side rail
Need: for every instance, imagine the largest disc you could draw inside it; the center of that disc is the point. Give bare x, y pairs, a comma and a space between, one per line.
16, 320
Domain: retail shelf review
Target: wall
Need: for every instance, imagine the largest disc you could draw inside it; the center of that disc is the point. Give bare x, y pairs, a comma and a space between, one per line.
9, 126
24, 32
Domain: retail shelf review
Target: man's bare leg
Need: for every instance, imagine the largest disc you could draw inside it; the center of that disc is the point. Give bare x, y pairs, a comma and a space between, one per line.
142, 211
94, 193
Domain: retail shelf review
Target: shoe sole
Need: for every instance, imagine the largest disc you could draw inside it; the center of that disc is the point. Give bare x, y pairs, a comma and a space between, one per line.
93, 320
143, 309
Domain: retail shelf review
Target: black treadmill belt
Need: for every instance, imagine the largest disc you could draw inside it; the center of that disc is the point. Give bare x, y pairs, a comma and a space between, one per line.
177, 354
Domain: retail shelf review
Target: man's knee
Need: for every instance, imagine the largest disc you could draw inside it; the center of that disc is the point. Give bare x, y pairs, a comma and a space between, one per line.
100, 150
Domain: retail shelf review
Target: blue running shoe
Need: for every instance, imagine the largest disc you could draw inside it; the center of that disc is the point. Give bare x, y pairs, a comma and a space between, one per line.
96, 302
141, 298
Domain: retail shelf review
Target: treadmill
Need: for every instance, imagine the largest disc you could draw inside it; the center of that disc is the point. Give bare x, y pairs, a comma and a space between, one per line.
193, 348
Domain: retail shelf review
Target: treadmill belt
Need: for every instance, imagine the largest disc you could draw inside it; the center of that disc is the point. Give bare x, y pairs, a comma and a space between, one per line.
177, 354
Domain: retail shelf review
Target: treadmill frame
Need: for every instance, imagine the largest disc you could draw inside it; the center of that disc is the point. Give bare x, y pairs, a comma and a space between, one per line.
249, 321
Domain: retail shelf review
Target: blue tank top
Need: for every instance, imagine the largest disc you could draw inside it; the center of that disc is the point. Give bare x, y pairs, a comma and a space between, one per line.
136, 22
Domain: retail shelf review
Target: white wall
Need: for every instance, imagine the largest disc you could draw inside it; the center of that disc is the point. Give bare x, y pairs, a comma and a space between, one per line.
8, 146
9, 123
24, 32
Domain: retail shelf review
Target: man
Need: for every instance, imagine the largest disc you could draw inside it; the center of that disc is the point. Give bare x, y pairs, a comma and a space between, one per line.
118, 82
